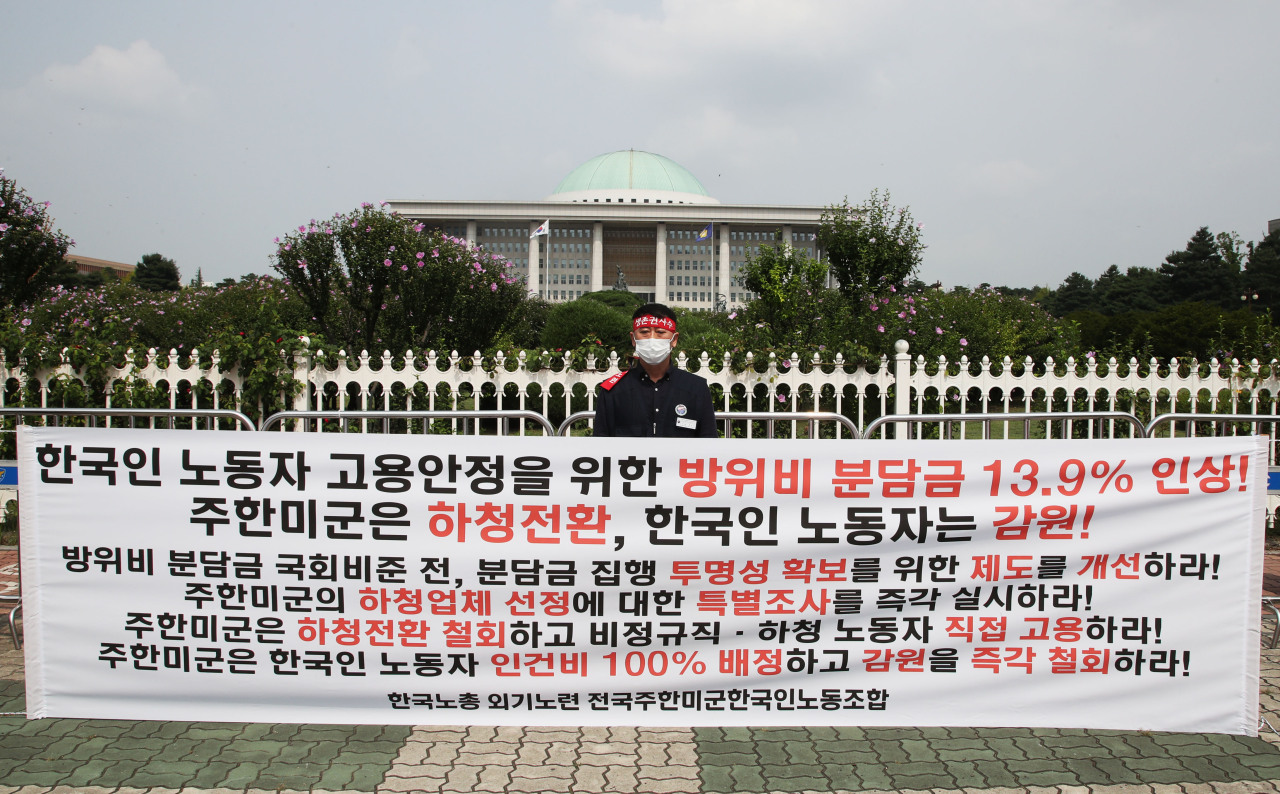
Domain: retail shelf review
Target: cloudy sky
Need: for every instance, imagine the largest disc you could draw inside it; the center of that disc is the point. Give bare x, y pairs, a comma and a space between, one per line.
1031, 138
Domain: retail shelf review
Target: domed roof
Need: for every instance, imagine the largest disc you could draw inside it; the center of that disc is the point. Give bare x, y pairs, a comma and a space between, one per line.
632, 175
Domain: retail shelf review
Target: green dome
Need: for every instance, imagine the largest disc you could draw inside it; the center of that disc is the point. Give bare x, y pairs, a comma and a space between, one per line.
630, 173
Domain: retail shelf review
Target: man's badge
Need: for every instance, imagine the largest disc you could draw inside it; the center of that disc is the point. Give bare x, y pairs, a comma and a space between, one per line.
681, 410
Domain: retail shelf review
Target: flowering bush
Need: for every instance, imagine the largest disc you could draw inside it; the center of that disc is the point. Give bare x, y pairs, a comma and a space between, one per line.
247, 323
31, 250
871, 243
374, 280
976, 323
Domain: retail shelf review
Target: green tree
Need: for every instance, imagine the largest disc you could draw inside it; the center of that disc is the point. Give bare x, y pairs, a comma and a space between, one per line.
374, 279
1137, 289
1075, 293
1233, 249
32, 252
158, 274
1199, 272
1262, 274
870, 244
789, 286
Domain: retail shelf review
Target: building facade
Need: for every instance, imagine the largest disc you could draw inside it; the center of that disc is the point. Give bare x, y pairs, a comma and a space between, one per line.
86, 265
626, 217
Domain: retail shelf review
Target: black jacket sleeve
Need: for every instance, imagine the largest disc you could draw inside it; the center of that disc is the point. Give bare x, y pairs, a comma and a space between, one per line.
705, 413
603, 425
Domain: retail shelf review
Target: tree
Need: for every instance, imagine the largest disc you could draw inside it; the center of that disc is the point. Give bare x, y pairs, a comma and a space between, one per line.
790, 287
1075, 293
32, 252
1233, 249
374, 279
870, 244
1262, 274
1137, 289
157, 274
1199, 272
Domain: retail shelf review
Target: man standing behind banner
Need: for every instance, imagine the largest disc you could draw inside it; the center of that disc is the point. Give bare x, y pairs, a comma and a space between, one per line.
654, 398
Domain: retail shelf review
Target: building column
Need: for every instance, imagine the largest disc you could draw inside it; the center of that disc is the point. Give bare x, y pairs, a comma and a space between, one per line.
660, 293
535, 260
726, 271
786, 237
471, 233
597, 256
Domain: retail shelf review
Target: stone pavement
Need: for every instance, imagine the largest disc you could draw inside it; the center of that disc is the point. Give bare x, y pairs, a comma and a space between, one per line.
120, 757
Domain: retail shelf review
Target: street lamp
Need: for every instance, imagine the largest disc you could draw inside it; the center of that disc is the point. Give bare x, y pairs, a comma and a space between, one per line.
1248, 299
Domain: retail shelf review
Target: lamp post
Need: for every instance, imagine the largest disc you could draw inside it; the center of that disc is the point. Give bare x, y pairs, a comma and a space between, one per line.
1248, 299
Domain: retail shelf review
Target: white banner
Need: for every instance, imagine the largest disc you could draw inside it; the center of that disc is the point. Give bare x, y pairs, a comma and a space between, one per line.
298, 577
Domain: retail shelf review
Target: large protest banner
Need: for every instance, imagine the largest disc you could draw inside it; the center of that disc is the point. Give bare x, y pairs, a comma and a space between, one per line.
300, 577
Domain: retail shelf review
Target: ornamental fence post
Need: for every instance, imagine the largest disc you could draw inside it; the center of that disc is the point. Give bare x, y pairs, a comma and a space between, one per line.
901, 378
302, 375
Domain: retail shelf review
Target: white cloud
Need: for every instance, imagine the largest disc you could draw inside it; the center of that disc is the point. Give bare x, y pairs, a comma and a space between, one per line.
134, 80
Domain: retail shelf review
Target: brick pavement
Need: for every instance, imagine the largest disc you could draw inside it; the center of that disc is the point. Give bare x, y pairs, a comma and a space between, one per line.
123, 757
8, 572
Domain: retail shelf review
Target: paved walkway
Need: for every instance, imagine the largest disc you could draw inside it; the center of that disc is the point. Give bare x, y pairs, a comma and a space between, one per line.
101, 756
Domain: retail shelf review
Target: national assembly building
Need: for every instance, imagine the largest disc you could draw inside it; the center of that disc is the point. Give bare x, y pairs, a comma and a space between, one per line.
630, 217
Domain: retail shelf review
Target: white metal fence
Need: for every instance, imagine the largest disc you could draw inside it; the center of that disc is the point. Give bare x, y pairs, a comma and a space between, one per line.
553, 387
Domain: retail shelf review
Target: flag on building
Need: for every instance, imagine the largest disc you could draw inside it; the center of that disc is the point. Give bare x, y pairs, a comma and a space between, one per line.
542, 230
706, 234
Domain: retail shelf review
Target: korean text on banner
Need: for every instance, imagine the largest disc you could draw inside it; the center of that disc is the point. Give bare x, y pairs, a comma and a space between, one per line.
500, 580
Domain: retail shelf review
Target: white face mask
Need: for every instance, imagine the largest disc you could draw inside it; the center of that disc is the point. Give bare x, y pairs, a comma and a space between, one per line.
653, 351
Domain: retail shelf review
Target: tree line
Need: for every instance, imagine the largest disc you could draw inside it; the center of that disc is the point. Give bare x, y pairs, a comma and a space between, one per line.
1215, 296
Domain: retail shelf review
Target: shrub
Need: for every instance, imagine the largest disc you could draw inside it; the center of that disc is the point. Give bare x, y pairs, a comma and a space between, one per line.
587, 322
622, 301
376, 281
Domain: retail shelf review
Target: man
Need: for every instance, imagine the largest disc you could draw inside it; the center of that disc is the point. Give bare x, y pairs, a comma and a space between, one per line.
654, 398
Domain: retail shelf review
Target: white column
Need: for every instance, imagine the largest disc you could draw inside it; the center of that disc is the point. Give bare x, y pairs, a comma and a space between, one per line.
660, 266
725, 272
535, 259
597, 257
471, 233
786, 236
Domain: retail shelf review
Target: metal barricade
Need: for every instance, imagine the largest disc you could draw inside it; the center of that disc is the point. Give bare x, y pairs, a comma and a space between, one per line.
1066, 417
1192, 419
151, 414
137, 413
305, 417
811, 418
9, 484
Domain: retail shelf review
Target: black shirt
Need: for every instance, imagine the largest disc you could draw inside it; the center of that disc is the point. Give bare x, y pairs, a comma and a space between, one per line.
677, 405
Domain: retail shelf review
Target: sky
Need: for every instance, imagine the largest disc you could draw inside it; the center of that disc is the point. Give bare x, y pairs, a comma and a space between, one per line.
1031, 139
